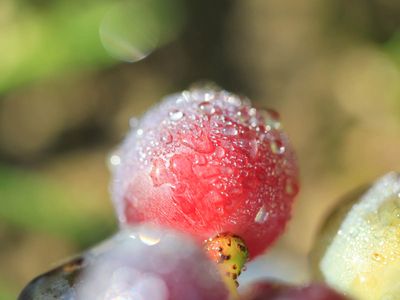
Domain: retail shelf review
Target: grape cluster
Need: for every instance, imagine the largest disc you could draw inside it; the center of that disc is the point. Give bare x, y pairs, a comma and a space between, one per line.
203, 183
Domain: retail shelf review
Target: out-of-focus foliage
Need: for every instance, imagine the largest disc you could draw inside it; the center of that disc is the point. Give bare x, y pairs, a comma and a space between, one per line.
39, 43
331, 68
26, 200
63, 36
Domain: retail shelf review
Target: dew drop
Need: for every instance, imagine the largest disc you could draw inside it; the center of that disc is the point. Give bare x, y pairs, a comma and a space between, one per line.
213, 197
230, 131
262, 215
277, 147
149, 237
159, 174
179, 188
220, 152
175, 115
207, 107
200, 160
234, 100
220, 210
271, 119
139, 132
253, 148
378, 257
166, 138
290, 187
253, 122
114, 160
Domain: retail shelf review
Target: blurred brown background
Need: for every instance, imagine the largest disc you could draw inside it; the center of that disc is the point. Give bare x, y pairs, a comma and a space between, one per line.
72, 73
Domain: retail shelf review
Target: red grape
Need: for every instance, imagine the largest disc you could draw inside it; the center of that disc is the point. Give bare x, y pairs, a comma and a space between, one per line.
206, 162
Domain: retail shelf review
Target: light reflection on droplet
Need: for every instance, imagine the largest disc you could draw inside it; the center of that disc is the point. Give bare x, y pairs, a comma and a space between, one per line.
262, 215
167, 138
231, 131
139, 132
115, 160
277, 147
175, 115
289, 187
149, 239
234, 101
271, 119
207, 107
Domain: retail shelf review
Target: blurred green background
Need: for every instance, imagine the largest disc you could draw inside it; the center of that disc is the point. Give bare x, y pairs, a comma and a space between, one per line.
72, 73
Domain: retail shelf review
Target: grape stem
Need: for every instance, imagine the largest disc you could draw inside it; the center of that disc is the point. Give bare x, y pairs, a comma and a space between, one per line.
230, 254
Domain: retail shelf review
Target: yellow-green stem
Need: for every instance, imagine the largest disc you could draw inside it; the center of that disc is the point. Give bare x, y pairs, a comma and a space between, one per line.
230, 253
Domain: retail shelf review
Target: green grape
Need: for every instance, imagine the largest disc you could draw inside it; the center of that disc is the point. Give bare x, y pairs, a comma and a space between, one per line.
358, 248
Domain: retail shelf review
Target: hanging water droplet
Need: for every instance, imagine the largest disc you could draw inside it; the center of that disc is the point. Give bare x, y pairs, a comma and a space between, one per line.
175, 115
262, 215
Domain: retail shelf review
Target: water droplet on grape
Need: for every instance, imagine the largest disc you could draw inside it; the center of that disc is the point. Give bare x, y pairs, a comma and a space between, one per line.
253, 148
175, 115
271, 119
207, 107
230, 131
200, 160
166, 138
213, 197
234, 101
262, 215
277, 147
139, 132
149, 237
290, 187
220, 152
114, 160
179, 188
252, 112
220, 210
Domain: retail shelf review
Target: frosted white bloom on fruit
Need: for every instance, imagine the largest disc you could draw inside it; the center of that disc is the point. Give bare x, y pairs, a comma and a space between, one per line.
144, 263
